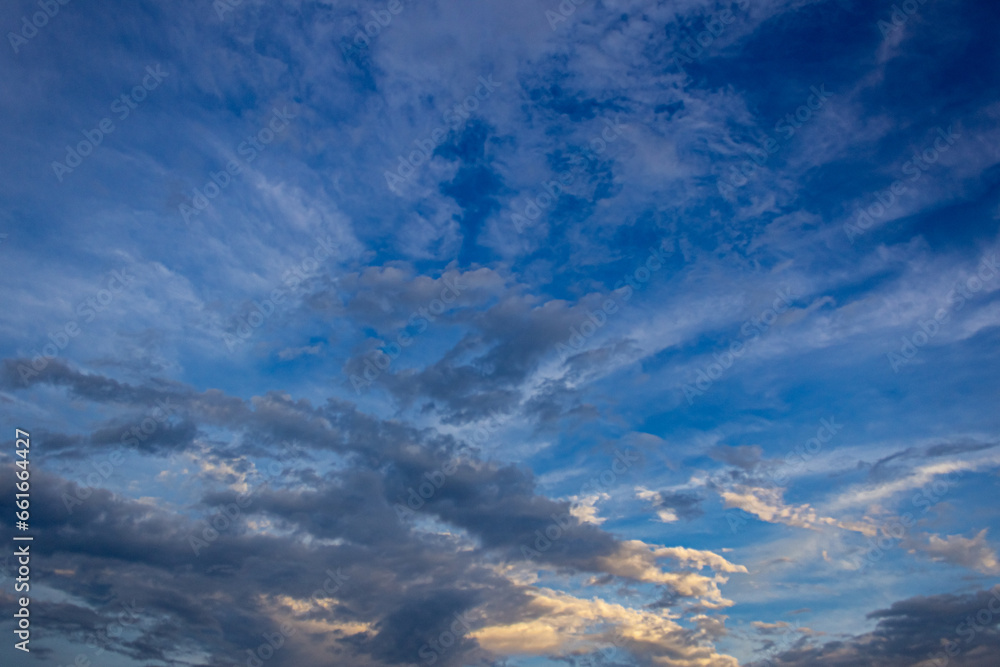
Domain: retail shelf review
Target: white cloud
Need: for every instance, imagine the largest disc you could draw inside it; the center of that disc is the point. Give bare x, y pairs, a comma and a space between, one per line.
637, 560
558, 623
584, 509
768, 505
974, 553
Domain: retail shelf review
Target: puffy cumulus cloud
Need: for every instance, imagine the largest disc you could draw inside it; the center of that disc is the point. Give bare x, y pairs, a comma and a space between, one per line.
556, 623
974, 552
584, 509
699, 559
638, 561
955, 630
711, 628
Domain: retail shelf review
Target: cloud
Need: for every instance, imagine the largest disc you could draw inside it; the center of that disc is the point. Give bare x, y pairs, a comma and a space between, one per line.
917, 477
557, 623
584, 509
378, 464
700, 559
610, 135
743, 456
673, 505
768, 505
289, 354
919, 631
974, 553
637, 561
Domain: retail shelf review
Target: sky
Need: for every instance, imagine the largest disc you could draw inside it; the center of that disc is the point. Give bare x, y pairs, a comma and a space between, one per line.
501, 333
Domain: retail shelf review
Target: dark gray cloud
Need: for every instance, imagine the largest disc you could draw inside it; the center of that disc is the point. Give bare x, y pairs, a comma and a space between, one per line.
953, 630
686, 506
229, 595
219, 592
486, 369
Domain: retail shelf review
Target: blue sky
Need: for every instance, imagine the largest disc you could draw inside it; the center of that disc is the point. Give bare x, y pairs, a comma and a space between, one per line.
520, 331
